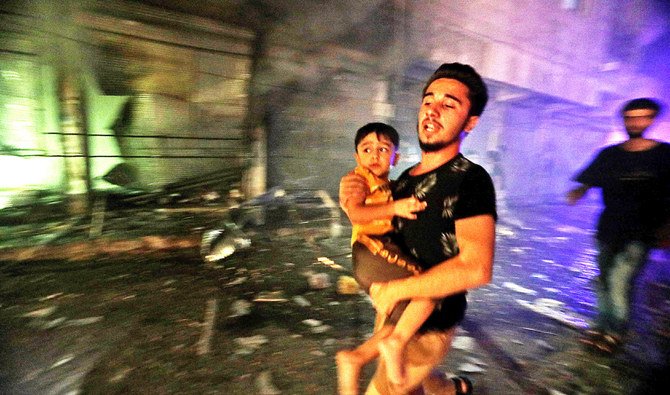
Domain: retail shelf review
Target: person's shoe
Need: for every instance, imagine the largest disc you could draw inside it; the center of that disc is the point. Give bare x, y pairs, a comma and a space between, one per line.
608, 344
591, 337
613, 341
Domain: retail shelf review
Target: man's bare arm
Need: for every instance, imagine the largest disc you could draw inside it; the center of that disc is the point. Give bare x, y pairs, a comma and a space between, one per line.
359, 213
352, 201
575, 194
471, 268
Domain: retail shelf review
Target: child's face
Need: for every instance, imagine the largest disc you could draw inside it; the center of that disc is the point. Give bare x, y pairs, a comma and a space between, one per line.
376, 153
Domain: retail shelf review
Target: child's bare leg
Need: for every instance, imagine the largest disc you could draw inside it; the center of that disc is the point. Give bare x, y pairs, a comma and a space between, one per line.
350, 362
392, 347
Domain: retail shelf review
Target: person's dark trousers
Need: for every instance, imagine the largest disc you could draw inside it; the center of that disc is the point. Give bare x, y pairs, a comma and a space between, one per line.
619, 264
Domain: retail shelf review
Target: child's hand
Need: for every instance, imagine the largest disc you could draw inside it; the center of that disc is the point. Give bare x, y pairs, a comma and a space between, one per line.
352, 188
406, 208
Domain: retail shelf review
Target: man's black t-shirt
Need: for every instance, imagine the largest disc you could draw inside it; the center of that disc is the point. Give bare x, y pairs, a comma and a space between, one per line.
635, 189
458, 189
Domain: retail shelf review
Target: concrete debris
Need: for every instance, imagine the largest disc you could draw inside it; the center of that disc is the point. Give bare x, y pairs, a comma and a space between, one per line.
240, 308
264, 384
219, 244
465, 343
347, 285
518, 288
40, 313
537, 330
312, 322
319, 281
62, 361
330, 263
252, 342
83, 321
329, 342
556, 310
476, 361
120, 375
52, 296
470, 368
503, 230
301, 301
336, 229
53, 323
320, 329
270, 296
237, 281
544, 345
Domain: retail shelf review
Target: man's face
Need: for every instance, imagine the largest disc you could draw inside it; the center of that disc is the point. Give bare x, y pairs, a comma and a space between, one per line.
376, 153
444, 115
637, 121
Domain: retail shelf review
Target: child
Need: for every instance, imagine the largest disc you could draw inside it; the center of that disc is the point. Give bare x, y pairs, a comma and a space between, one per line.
376, 259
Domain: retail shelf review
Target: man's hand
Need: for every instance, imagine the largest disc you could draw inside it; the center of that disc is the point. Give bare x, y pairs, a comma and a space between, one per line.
574, 195
352, 188
407, 207
383, 298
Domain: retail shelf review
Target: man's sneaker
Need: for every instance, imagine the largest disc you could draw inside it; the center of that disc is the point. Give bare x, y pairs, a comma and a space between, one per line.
591, 337
609, 343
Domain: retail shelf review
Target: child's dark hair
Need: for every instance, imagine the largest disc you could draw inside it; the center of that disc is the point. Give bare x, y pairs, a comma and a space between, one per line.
381, 129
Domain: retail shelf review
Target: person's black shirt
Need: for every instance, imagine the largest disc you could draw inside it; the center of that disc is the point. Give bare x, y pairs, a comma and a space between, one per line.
635, 190
458, 189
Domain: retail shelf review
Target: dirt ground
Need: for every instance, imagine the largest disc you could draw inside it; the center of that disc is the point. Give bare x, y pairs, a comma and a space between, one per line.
135, 309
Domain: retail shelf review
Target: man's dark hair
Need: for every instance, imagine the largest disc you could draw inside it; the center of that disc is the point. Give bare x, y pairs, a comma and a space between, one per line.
466, 75
381, 129
642, 103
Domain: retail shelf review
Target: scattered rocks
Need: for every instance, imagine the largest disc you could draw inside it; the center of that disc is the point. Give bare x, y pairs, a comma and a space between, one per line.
301, 301
40, 313
239, 308
319, 281
347, 285
264, 384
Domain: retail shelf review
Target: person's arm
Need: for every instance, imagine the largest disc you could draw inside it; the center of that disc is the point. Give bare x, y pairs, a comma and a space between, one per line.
353, 189
352, 200
575, 194
471, 268
361, 213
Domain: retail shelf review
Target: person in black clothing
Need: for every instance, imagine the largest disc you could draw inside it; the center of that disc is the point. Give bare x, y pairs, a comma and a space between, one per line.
634, 177
452, 238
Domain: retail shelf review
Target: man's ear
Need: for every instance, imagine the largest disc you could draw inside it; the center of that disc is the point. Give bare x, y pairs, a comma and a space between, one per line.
471, 123
358, 161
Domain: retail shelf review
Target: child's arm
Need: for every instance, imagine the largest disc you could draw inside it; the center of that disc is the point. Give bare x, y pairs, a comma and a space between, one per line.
358, 212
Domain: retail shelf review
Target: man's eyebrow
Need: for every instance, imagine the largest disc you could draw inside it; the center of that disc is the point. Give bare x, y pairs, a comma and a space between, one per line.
452, 97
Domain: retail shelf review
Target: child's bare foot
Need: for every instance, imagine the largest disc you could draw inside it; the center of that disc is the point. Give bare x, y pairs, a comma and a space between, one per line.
392, 350
349, 364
